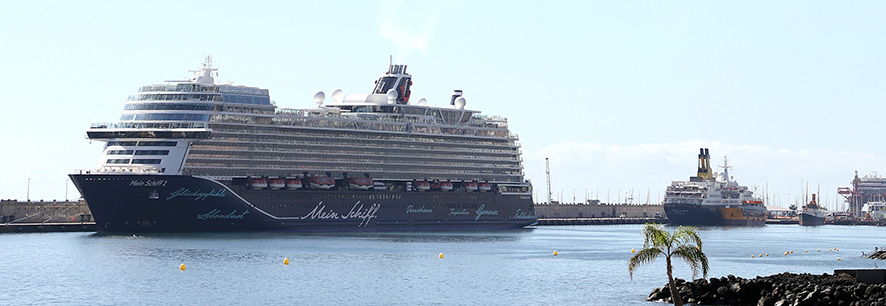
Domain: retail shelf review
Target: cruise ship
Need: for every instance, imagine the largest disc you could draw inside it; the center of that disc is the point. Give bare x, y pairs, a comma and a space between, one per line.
197, 155
709, 199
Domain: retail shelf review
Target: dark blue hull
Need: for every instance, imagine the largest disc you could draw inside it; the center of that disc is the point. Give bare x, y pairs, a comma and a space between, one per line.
810, 220
699, 215
176, 203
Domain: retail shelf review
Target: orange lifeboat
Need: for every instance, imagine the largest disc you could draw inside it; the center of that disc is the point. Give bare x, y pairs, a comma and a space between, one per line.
321, 182
484, 186
422, 186
445, 186
293, 183
276, 183
258, 183
361, 183
471, 186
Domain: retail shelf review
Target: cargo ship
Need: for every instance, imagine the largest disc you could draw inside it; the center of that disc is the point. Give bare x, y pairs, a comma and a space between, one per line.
197, 155
812, 214
709, 199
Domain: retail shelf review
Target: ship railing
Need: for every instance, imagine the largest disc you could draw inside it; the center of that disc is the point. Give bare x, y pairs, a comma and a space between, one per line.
150, 125
380, 125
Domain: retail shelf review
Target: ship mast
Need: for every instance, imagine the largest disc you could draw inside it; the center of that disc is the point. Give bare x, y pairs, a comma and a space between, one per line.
548, 173
726, 168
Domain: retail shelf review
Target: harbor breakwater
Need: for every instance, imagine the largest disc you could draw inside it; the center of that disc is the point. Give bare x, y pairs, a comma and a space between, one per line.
45, 216
595, 209
779, 289
14, 211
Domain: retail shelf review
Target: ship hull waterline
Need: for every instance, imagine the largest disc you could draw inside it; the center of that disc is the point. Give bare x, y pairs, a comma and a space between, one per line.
810, 219
182, 203
710, 215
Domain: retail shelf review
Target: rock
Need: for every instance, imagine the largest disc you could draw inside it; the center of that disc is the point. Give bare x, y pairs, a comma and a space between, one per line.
780, 289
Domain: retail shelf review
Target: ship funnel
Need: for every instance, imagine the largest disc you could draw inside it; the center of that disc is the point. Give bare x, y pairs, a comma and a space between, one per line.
455, 94
704, 164
395, 79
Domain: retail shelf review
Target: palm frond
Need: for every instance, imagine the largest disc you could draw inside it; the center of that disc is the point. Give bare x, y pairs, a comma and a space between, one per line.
687, 235
643, 256
694, 257
655, 235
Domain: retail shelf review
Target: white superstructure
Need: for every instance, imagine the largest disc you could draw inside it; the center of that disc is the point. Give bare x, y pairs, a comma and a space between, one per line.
202, 128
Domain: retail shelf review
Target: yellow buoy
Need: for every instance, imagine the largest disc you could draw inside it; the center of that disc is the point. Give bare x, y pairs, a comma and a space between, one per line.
792, 252
805, 251
181, 267
285, 261
761, 255
633, 251
838, 258
785, 253
819, 250
836, 249
752, 256
767, 254
441, 255
555, 253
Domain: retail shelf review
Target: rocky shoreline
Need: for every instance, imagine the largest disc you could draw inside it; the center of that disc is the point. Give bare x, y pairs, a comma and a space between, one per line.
780, 289
875, 255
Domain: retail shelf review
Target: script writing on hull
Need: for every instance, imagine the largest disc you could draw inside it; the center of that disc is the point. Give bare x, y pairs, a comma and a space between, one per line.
359, 211
198, 195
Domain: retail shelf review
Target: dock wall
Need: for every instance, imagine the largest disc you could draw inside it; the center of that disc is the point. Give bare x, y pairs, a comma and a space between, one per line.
14, 211
597, 210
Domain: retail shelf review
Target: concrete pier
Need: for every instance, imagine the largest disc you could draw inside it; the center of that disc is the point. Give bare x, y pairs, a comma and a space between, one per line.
599, 221
595, 209
47, 227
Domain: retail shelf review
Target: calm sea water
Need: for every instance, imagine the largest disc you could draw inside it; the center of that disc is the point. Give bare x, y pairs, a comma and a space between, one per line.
478, 268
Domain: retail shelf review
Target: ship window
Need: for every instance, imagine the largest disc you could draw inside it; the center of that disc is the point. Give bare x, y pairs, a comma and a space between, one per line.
120, 152
156, 144
188, 117
385, 84
121, 143
117, 161
152, 152
146, 161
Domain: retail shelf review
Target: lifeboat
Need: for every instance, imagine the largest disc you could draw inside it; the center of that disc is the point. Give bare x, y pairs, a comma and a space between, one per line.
258, 183
361, 183
422, 186
445, 186
484, 186
471, 186
276, 183
321, 182
293, 183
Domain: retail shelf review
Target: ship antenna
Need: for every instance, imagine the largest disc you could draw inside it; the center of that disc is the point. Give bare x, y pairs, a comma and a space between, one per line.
726, 167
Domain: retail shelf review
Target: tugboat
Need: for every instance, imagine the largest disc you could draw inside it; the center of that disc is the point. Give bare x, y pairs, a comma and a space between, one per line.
711, 199
812, 214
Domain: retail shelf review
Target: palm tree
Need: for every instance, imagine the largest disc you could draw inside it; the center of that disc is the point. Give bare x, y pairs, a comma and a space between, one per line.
683, 243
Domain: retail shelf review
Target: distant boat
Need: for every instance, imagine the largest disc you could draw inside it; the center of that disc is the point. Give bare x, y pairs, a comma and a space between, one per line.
875, 210
710, 199
812, 214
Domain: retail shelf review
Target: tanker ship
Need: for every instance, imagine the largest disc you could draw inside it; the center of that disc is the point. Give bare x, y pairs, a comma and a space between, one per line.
710, 199
196, 155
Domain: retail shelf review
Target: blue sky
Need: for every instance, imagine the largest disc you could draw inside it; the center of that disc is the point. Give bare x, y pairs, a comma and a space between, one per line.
618, 94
